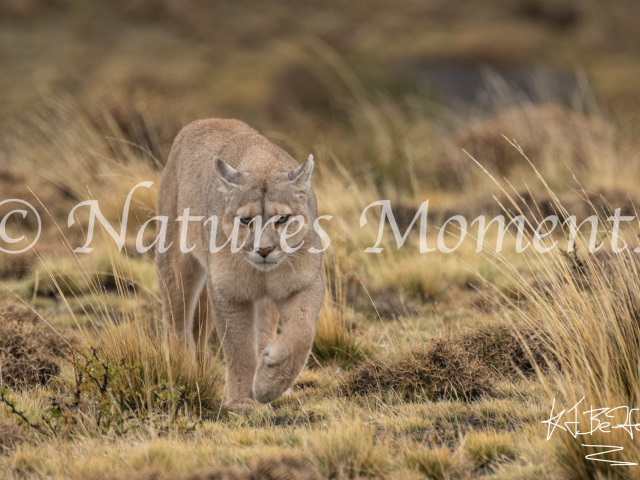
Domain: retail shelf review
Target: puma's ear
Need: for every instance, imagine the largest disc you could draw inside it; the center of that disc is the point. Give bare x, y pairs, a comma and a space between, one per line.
302, 174
226, 173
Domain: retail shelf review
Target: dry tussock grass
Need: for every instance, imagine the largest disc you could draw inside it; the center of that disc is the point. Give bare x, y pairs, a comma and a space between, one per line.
62, 135
484, 449
593, 333
29, 350
437, 463
138, 343
284, 466
589, 311
11, 435
547, 133
136, 127
349, 451
334, 342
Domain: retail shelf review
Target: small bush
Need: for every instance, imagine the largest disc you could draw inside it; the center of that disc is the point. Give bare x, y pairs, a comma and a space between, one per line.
125, 395
507, 350
127, 382
441, 370
150, 372
28, 349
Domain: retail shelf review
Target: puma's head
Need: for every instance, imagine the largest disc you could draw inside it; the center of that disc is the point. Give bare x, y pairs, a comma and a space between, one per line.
266, 207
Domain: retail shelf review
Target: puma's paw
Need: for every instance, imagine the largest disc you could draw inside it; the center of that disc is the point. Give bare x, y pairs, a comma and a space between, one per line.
272, 376
273, 356
241, 406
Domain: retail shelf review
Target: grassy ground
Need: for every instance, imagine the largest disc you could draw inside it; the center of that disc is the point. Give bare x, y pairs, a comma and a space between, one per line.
425, 365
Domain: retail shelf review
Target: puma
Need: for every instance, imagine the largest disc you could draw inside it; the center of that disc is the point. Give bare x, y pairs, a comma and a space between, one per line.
226, 169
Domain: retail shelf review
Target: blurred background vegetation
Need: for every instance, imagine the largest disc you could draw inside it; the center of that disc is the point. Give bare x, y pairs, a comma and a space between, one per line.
246, 58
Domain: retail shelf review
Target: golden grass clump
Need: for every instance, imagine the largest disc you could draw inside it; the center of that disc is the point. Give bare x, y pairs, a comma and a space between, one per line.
440, 370
434, 463
484, 449
135, 126
29, 350
334, 342
349, 451
594, 333
61, 136
151, 364
588, 307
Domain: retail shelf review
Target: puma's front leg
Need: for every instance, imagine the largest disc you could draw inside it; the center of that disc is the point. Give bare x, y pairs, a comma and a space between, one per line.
282, 361
235, 326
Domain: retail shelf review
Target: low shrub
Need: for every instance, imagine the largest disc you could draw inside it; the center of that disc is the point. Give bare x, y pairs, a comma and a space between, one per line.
29, 350
508, 350
441, 370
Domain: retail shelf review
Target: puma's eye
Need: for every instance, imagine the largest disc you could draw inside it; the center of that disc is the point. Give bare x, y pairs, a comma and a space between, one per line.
245, 220
283, 219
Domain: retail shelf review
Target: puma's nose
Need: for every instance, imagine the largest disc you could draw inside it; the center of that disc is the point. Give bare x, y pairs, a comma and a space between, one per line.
265, 251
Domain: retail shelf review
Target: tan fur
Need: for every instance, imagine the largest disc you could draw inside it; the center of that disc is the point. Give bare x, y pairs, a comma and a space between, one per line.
225, 168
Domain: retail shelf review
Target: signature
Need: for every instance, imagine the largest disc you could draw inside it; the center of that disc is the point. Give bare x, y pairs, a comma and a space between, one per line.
603, 420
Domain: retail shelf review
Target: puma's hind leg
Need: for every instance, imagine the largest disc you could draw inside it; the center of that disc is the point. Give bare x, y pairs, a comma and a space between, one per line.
181, 278
203, 324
